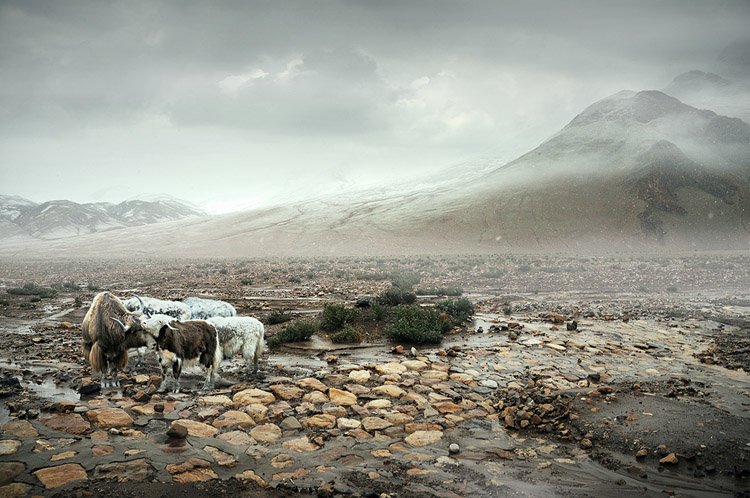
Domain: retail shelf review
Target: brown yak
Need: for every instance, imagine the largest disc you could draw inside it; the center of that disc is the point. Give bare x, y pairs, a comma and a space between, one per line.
109, 330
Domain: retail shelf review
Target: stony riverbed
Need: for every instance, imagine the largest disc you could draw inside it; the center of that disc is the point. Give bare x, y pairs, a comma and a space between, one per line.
603, 377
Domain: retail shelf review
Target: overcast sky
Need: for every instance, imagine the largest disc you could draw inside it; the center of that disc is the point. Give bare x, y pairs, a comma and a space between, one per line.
222, 102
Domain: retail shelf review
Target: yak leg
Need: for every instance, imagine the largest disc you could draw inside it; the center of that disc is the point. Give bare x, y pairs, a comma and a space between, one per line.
176, 371
210, 383
163, 385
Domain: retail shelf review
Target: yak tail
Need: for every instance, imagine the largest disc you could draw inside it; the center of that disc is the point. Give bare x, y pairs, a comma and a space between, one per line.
96, 357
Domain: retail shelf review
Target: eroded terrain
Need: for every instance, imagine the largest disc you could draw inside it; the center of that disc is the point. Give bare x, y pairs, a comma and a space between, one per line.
577, 377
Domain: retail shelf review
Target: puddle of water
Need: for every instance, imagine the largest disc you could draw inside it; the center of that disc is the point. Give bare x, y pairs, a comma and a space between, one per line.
49, 390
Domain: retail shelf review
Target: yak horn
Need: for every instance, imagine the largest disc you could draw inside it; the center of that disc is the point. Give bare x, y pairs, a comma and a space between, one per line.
143, 307
124, 328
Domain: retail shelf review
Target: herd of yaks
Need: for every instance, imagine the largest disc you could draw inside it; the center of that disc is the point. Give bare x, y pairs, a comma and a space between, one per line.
196, 330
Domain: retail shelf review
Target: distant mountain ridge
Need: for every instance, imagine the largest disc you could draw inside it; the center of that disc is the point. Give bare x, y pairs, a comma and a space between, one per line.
62, 218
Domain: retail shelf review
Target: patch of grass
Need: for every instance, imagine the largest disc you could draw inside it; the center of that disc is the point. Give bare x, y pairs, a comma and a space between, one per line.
30, 289
396, 296
493, 273
346, 335
335, 316
416, 325
439, 291
295, 332
278, 316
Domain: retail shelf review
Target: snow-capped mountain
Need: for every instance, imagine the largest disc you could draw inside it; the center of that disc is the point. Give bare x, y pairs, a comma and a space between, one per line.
62, 218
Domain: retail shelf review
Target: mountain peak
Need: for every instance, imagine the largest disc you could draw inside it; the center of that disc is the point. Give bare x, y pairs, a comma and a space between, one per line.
627, 106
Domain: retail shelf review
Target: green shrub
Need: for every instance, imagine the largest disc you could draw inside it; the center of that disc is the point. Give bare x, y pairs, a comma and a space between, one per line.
379, 311
459, 310
346, 335
439, 291
295, 280
336, 316
32, 290
35, 299
415, 325
405, 281
92, 287
297, 331
395, 296
278, 316
672, 288
4, 302
247, 281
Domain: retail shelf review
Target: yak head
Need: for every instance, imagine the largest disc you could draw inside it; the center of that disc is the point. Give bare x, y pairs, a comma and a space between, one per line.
155, 328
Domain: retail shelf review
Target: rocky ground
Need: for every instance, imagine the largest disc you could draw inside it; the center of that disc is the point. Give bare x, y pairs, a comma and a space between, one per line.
577, 377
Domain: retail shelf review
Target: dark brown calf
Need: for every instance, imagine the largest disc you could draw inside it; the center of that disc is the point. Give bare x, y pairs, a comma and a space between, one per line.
191, 341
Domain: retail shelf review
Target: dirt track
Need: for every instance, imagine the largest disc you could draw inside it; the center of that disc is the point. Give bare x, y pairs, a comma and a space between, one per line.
636, 401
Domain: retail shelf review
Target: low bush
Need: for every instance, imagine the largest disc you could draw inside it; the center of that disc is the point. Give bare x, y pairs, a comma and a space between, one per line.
336, 316
33, 290
416, 325
346, 335
459, 310
396, 296
278, 316
405, 281
295, 332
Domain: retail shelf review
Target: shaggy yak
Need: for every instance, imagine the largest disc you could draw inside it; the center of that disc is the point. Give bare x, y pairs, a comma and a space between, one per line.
188, 342
109, 330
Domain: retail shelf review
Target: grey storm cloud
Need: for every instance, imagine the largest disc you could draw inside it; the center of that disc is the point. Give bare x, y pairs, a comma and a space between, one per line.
372, 87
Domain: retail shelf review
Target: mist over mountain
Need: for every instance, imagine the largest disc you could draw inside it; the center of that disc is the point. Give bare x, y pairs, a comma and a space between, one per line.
635, 171
62, 218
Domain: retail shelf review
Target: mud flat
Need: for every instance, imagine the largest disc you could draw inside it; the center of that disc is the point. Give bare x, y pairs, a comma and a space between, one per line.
576, 377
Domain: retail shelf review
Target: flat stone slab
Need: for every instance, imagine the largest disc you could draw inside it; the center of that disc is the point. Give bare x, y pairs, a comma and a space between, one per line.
9, 446
197, 429
54, 477
108, 418
9, 470
72, 423
252, 396
133, 470
266, 433
20, 428
423, 438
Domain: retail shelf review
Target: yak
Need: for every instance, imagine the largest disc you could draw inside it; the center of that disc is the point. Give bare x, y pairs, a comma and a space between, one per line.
109, 330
